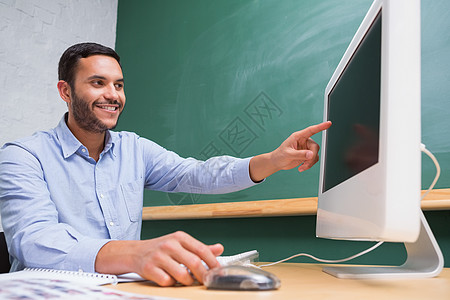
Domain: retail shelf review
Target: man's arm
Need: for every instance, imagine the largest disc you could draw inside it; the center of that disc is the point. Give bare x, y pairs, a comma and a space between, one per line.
168, 172
35, 236
297, 150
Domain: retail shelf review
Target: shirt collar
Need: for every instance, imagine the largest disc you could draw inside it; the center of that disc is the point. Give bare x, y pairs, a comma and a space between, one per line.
110, 139
70, 144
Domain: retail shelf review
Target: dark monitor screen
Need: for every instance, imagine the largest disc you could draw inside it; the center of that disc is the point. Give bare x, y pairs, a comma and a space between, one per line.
352, 142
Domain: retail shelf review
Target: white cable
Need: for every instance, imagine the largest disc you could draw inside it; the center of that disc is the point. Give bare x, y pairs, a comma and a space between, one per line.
438, 173
325, 260
438, 168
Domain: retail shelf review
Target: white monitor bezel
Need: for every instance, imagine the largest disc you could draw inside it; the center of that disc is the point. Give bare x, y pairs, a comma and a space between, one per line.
383, 201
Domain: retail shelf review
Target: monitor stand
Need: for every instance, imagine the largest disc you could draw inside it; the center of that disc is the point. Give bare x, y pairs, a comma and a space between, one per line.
424, 259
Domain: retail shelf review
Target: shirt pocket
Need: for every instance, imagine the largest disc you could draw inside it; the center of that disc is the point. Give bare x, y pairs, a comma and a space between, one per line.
132, 193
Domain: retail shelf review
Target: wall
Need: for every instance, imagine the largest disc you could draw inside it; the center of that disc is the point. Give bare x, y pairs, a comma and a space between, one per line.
33, 35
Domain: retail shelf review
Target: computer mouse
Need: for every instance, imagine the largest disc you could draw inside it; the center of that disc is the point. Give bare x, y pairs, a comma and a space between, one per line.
238, 277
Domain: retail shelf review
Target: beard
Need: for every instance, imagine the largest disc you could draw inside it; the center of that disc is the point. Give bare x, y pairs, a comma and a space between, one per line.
85, 116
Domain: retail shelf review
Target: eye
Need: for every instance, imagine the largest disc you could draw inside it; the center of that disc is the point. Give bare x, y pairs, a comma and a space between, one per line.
97, 83
119, 86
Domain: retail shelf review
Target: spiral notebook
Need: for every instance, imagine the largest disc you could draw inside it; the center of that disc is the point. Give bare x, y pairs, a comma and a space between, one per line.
55, 289
71, 276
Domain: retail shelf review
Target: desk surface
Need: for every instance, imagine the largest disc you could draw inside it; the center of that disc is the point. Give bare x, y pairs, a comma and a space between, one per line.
307, 281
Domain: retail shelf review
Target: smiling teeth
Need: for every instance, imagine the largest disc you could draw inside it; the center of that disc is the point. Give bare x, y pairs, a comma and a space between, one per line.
108, 108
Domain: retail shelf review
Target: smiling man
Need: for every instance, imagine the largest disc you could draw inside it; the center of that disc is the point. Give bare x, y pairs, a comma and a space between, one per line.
71, 197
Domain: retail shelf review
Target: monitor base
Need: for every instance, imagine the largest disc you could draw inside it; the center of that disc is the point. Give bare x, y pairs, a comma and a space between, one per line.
424, 259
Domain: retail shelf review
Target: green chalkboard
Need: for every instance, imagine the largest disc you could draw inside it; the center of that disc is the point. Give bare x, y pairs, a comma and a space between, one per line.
237, 77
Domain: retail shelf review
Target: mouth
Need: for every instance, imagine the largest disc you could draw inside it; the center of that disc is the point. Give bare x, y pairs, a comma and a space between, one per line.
108, 107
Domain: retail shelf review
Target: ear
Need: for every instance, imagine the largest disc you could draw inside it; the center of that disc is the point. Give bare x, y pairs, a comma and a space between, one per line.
64, 91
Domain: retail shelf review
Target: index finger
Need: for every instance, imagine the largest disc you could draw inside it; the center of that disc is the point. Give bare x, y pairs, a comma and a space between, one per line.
313, 129
201, 252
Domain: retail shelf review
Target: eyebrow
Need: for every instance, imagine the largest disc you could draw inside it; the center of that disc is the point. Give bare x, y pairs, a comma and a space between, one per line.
103, 78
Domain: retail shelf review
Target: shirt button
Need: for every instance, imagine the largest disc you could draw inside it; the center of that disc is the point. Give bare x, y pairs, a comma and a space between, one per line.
101, 196
111, 223
83, 150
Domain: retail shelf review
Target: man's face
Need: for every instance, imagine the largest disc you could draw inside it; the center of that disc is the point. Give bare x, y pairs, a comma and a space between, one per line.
97, 97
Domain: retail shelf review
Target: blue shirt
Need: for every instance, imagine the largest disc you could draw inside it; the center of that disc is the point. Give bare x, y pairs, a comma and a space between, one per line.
59, 206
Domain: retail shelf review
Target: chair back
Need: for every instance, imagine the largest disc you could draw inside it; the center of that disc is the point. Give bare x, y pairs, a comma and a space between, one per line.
4, 255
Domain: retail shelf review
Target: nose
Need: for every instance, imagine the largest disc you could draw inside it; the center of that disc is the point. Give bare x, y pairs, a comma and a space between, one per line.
111, 92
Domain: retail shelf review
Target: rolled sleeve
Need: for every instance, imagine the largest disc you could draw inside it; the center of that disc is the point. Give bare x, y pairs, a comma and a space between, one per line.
83, 255
241, 173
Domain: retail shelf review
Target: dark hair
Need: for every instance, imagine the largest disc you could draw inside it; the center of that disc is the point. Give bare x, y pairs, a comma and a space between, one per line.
69, 60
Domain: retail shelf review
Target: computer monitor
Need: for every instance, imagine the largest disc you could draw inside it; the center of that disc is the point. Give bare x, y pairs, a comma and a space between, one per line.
370, 172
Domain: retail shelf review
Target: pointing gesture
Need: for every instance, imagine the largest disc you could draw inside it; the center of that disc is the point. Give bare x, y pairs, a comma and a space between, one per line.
298, 150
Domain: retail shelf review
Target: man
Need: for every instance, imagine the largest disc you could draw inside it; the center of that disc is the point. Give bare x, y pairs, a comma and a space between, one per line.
71, 197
